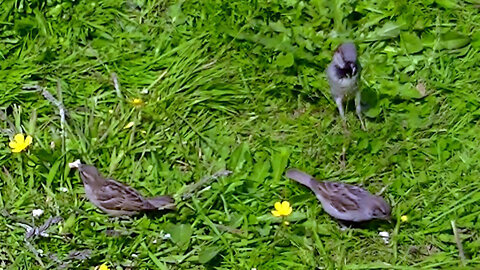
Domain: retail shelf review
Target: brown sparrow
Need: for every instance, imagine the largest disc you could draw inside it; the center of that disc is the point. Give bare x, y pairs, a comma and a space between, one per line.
115, 198
343, 73
343, 201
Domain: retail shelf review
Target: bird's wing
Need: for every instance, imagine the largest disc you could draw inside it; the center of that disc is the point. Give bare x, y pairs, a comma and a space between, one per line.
343, 197
115, 196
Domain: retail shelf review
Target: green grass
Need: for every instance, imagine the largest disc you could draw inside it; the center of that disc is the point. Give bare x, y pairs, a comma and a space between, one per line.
240, 85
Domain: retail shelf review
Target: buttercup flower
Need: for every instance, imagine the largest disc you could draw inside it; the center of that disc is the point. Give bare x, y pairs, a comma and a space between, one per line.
282, 209
137, 102
20, 143
404, 218
102, 267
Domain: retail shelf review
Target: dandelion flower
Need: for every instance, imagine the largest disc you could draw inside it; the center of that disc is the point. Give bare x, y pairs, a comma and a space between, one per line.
102, 267
20, 143
404, 218
282, 209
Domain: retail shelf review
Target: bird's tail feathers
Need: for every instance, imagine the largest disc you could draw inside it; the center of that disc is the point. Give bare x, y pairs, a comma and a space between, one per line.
163, 202
301, 177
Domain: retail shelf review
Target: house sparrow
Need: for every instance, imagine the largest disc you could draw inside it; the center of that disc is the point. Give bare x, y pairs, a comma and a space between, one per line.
115, 198
343, 74
343, 201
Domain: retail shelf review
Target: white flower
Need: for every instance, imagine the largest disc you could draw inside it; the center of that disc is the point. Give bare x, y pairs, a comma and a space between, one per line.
64, 189
37, 212
75, 164
167, 236
385, 236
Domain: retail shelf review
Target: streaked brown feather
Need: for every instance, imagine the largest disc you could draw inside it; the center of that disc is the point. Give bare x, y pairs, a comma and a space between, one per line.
115, 196
339, 199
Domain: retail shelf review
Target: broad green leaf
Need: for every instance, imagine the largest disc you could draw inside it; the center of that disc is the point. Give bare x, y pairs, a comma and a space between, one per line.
428, 39
387, 31
411, 42
53, 172
68, 224
476, 40
180, 234
278, 26
453, 40
55, 12
175, 13
279, 162
260, 170
447, 4
285, 60
370, 102
239, 157
373, 112
406, 91
208, 253
233, 185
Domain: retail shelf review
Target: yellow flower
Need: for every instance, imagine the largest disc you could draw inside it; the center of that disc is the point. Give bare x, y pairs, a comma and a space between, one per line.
404, 218
20, 143
282, 209
137, 102
102, 267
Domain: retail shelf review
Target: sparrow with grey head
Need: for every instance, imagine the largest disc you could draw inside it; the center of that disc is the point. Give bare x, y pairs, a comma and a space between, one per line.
343, 201
343, 75
115, 198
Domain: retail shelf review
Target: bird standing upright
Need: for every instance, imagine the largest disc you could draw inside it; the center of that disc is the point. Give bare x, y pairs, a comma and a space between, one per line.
343, 74
343, 201
115, 198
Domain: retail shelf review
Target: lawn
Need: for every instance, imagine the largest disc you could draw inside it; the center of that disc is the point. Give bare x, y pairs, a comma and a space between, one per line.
162, 94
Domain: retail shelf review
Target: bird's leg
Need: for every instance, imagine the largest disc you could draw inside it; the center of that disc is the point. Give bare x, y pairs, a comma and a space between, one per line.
358, 107
339, 101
